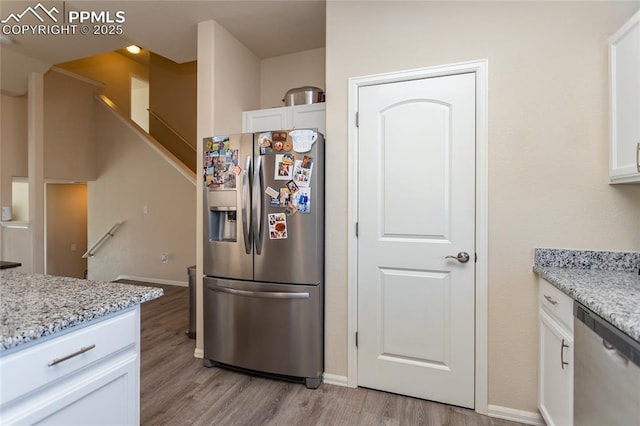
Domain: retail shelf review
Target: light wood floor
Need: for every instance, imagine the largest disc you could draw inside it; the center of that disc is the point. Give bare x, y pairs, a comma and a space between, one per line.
177, 390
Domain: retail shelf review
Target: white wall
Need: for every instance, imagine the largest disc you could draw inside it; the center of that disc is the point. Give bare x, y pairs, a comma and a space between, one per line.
547, 147
132, 176
281, 73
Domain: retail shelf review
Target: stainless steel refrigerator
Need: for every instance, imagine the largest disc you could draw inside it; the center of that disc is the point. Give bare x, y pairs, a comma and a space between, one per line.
263, 204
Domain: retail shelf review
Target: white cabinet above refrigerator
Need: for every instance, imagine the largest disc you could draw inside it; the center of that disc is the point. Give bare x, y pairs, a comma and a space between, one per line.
311, 116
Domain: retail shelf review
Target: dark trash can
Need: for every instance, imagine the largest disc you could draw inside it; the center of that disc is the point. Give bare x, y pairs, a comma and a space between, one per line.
191, 332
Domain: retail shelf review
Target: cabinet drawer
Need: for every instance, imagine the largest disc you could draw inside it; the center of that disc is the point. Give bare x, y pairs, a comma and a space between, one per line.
27, 370
557, 303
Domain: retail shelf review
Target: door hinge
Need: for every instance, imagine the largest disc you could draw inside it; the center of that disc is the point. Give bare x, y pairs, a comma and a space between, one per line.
356, 339
357, 119
356, 229
476, 258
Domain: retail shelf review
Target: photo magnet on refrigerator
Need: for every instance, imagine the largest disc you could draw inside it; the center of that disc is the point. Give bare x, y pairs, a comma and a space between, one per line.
220, 163
285, 197
291, 185
302, 200
277, 226
264, 140
283, 169
302, 171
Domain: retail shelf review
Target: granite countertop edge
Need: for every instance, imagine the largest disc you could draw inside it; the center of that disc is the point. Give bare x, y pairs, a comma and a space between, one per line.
608, 283
35, 306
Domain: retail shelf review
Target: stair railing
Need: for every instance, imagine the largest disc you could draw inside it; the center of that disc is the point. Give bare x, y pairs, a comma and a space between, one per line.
110, 233
171, 129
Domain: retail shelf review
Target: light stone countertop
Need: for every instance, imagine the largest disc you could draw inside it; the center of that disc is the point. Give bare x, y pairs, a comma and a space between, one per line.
34, 306
608, 283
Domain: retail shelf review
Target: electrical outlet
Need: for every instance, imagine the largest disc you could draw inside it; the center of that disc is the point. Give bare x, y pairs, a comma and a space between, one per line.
145, 209
165, 258
74, 247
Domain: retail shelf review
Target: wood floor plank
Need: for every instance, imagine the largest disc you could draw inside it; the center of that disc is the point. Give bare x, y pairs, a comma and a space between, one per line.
176, 389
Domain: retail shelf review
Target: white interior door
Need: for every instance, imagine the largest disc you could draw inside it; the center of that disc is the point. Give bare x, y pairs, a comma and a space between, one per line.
416, 207
140, 102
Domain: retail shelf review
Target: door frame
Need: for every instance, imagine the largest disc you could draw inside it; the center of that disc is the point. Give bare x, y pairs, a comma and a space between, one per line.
480, 68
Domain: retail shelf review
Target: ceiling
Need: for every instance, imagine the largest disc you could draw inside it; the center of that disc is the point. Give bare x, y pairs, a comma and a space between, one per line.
169, 28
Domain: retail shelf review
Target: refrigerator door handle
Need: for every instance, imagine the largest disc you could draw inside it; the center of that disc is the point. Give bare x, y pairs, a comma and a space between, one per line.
246, 228
260, 294
256, 206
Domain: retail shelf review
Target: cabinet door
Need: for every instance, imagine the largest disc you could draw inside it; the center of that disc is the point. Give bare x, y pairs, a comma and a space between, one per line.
555, 372
309, 116
107, 395
624, 87
262, 120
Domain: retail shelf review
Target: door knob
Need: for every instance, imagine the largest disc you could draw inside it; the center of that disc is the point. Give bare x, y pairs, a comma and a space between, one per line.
462, 257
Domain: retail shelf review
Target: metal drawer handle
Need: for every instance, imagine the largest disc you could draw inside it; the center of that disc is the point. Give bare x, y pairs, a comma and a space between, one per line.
562, 361
64, 358
261, 294
550, 299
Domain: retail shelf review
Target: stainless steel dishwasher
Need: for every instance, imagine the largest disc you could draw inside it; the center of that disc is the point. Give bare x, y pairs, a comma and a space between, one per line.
606, 372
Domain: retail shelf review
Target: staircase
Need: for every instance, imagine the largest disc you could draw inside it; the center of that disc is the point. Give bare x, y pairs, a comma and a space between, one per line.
171, 139
185, 166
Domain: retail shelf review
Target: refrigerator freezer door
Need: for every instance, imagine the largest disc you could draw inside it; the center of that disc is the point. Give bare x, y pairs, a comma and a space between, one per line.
298, 258
227, 207
272, 328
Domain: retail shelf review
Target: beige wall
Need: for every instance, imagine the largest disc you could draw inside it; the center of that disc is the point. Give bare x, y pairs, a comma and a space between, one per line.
281, 73
131, 175
69, 147
237, 82
547, 147
114, 70
66, 231
15, 69
228, 81
15, 244
173, 94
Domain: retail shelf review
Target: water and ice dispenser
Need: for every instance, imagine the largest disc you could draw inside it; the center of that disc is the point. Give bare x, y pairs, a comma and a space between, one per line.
222, 215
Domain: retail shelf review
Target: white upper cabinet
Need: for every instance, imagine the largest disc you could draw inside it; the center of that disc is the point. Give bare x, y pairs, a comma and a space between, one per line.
291, 117
624, 103
262, 120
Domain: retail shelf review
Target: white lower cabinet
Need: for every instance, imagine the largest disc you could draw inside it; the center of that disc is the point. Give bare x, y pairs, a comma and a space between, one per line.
87, 377
555, 355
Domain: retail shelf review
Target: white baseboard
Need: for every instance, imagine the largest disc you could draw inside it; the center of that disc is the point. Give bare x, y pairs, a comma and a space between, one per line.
334, 379
526, 417
152, 280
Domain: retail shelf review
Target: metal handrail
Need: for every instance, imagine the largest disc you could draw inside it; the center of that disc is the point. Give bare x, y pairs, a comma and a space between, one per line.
92, 251
168, 126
